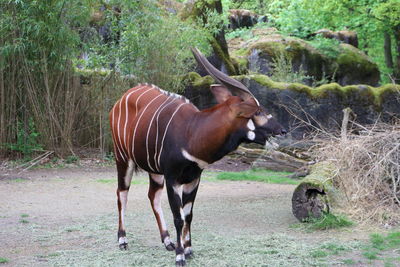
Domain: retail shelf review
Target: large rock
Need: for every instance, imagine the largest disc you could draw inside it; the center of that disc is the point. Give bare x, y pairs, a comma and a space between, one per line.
351, 66
302, 109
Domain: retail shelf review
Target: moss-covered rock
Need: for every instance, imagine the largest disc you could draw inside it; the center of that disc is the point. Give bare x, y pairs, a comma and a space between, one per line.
351, 66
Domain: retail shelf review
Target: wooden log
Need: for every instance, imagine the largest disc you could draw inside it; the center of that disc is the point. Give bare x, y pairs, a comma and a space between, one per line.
268, 159
312, 197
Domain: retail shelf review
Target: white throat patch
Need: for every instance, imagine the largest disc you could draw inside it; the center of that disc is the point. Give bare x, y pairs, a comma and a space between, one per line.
251, 125
201, 163
251, 135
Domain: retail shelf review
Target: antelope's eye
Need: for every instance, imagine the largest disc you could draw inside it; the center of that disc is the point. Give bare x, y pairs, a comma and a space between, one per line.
258, 112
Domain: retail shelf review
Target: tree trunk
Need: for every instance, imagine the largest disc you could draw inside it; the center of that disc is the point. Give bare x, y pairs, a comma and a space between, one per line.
388, 50
397, 44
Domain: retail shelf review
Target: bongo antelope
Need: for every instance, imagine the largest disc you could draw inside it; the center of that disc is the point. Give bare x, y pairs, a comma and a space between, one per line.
165, 135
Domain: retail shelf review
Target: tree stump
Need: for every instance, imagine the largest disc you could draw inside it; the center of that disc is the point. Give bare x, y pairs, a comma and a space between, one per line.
310, 198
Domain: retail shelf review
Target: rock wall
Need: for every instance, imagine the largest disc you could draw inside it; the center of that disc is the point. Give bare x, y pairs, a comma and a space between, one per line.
302, 109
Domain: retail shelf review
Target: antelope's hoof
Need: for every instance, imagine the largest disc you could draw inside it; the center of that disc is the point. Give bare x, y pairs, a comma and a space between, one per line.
170, 247
180, 263
123, 246
180, 260
188, 253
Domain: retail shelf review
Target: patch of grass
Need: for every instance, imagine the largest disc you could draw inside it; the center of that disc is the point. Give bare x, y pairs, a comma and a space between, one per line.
106, 181
259, 176
380, 243
24, 215
3, 260
19, 180
318, 253
23, 221
328, 221
370, 254
348, 261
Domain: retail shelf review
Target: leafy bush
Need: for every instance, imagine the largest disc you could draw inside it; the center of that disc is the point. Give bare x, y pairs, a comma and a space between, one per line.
27, 139
328, 47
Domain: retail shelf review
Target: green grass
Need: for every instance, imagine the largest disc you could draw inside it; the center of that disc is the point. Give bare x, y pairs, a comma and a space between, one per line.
265, 176
24, 215
379, 244
328, 221
23, 221
3, 260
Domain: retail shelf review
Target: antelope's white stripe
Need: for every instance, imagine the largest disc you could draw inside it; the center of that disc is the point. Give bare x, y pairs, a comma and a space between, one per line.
201, 163
137, 124
122, 240
118, 126
116, 146
166, 130
147, 136
126, 112
156, 143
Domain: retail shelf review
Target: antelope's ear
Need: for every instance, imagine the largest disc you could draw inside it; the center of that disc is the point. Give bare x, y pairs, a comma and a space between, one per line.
246, 109
220, 92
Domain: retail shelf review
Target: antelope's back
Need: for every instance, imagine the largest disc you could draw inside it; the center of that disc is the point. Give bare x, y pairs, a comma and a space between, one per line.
140, 122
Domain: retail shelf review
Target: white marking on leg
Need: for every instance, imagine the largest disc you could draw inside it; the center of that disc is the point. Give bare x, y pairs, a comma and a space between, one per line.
269, 116
158, 209
166, 130
182, 214
129, 173
167, 241
122, 240
187, 209
251, 135
180, 257
201, 163
178, 190
158, 178
188, 188
123, 197
250, 125
188, 250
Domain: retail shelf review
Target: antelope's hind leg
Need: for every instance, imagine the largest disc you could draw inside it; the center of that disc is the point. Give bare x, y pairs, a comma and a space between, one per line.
155, 191
125, 172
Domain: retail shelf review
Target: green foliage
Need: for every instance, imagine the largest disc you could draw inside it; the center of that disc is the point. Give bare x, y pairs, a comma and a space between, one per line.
369, 18
42, 31
154, 46
328, 221
328, 47
3, 260
259, 176
27, 139
282, 70
72, 159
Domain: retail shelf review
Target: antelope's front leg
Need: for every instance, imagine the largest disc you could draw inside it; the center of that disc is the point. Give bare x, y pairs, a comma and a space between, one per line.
175, 203
189, 192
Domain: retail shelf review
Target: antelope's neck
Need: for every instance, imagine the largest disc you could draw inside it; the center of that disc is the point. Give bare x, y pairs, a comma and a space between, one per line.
211, 135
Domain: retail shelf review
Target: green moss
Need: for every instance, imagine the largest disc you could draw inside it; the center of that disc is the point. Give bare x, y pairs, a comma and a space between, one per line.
224, 57
375, 94
198, 82
351, 58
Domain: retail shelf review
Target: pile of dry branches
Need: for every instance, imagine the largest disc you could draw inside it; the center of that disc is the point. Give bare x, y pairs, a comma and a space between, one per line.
367, 171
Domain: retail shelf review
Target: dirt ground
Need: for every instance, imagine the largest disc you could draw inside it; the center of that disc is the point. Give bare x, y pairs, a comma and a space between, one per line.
68, 217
